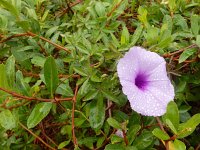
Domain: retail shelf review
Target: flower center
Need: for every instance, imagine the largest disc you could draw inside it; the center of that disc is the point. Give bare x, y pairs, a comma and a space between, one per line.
141, 81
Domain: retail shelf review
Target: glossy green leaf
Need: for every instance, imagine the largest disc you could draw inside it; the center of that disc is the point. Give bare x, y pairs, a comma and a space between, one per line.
179, 145
198, 40
132, 133
63, 144
136, 35
51, 75
160, 134
7, 120
10, 71
22, 85
172, 114
143, 140
114, 147
100, 9
110, 96
186, 54
12, 9
80, 71
39, 112
124, 36
97, 113
64, 89
195, 24
189, 126
3, 76
114, 123
171, 126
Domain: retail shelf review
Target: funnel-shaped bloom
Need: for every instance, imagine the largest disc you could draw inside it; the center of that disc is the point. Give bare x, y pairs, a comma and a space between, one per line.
144, 80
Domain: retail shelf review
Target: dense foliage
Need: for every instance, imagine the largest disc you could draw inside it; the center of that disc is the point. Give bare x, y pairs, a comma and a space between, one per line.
58, 80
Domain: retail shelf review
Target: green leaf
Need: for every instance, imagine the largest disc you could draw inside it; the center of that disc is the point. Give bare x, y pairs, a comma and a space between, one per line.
100, 9
40, 111
188, 127
90, 95
125, 36
22, 86
172, 114
143, 140
116, 139
110, 96
84, 88
115, 147
160, 134
97, 113
10, 71
132, 133
186, 54
51, 75
195, 24
3, 77
80, 71
38, 61
7, 120
114, 123
136, 35
143, 16
63, 144
12, 9
64, 89
51, 31
179, 145
198, 40
171, 126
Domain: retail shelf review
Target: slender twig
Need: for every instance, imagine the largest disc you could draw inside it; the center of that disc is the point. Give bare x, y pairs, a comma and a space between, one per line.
30, 74
73, 110
13, 36
34, 35
114, 8
43, 132
198, 147
41, 140
162, 128
59, 14
14, 94
181, 50
44, 39
125, 138
15, 106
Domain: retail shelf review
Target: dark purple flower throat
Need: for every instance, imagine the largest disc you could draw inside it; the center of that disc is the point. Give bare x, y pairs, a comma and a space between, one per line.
141, 81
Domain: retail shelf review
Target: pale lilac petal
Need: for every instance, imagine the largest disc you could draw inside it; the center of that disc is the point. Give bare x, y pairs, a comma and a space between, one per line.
148, 60
146, 104
144, 80
163, 91
127, 67
159, 73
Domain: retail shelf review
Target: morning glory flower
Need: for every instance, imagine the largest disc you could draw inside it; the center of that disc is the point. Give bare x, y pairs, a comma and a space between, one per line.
145, 82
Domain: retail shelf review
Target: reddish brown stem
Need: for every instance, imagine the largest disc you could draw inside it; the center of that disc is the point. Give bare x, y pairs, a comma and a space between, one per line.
162, 128
125, 138
30, 74
28, 33
179, 51
41, 140
73, 110
114, 8
14, 94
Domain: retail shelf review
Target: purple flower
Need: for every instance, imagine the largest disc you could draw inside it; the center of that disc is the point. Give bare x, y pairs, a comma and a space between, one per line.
144, 80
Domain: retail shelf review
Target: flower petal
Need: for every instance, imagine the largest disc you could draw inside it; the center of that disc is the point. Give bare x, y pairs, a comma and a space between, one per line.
153, 99
147, 60
128, 66
146, 104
